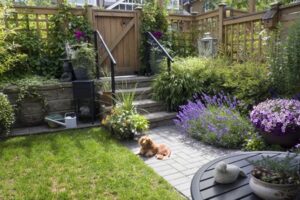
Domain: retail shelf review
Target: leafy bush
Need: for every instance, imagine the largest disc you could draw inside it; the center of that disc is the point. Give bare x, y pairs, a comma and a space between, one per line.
247, 81
10, 57
6, 115
214, 120
285, 61
254, 143
26, 51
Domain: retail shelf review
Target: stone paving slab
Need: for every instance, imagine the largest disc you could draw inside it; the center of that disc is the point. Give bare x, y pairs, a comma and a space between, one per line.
188, 155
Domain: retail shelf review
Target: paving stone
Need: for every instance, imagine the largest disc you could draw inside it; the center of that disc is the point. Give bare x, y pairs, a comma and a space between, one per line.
188, 155
168, 172
174, 176
179, 181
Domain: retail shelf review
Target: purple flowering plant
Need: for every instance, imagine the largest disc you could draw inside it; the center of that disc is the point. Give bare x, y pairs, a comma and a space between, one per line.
79, 35
277, 116
157, 34
214, 120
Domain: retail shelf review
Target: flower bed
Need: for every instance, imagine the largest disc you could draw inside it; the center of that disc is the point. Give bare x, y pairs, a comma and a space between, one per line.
214, 120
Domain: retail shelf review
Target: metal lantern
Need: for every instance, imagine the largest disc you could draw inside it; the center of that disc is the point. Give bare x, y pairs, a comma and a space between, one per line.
207, 46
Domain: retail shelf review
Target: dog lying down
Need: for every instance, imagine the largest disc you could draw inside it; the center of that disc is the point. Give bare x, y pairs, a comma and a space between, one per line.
149, 148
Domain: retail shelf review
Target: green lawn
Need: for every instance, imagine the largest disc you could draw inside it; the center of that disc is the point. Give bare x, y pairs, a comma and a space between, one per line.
83, 164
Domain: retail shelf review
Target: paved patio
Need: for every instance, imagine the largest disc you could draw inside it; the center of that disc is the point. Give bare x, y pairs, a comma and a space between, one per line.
188, 155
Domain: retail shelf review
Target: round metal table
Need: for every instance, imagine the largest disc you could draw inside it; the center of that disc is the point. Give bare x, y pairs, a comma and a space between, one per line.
204, 187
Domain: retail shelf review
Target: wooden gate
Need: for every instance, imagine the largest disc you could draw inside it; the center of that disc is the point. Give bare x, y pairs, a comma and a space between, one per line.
120, 31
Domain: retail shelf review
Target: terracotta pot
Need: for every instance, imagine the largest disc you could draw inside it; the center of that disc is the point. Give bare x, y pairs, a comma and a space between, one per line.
269, 191
287, 140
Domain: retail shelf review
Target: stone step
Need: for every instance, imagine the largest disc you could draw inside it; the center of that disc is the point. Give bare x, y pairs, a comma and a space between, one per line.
127, 82
160, 118
140, 93
148, 106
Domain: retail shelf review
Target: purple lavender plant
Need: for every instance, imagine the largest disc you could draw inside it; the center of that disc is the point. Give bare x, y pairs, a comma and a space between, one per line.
278, 116
214, 119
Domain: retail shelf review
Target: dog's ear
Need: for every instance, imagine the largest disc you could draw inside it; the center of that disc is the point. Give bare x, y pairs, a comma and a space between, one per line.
141, 139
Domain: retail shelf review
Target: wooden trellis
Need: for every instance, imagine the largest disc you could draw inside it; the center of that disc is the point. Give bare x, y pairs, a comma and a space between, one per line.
35, 18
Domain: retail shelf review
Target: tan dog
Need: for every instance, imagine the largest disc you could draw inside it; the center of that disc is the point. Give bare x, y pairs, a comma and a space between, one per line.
150, 148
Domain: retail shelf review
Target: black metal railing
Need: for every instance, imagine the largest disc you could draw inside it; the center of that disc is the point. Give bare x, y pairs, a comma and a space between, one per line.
164, 51
113, 62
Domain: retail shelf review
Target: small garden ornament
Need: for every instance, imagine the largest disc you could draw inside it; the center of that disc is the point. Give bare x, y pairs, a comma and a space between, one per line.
225, 173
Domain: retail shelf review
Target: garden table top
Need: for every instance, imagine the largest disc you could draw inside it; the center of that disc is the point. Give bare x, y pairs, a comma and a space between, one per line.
204, 187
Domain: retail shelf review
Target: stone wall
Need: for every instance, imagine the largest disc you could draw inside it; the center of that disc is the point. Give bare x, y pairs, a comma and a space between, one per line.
58, 98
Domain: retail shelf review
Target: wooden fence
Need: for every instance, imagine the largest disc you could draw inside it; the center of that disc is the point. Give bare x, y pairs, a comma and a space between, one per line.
241, 35
35, 18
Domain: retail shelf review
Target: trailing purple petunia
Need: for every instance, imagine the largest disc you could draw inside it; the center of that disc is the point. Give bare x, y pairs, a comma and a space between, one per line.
278, 116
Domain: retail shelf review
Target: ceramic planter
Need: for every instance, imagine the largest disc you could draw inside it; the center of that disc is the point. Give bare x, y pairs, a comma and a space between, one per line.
269, 191
287, 140
81, 73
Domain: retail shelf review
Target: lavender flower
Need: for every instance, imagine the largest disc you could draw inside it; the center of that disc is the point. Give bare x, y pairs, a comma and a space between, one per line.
213, 119
279, 116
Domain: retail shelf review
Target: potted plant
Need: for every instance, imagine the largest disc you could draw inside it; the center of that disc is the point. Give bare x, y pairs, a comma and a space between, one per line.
124, 121
276, 178
83, 61
7, 117
278, 121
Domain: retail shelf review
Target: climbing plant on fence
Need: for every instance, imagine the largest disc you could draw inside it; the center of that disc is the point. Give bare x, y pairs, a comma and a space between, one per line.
41, 36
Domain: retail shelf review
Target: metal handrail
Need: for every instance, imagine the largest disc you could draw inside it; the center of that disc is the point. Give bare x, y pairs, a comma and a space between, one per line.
169, 58
113, 63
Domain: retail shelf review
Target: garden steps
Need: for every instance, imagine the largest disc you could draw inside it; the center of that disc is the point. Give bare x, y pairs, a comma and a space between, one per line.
140, 93
146, 106
162, 118
154, 111
125, 82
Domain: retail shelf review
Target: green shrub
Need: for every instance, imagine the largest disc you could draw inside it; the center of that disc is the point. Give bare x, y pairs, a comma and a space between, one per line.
254, 143
284, 60
248, 81
10, 58
6, 115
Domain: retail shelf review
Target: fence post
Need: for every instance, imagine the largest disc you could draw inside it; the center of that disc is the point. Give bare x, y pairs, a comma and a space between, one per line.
251, 6
138, 15
89, 15
222, 13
